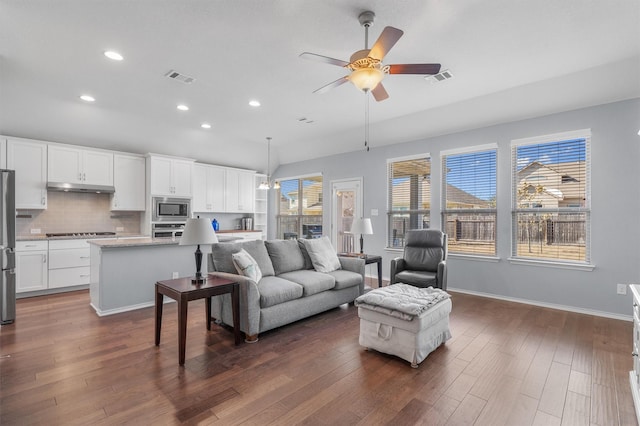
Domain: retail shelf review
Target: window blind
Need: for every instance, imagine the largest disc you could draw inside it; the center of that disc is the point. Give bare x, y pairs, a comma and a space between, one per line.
469, 201
551, 198
409, 191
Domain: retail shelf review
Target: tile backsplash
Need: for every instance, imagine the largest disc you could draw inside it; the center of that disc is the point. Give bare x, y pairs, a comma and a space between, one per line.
77, 212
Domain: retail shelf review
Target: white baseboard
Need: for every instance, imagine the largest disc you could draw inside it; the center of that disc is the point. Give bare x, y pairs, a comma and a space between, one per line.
107, 312
545, 305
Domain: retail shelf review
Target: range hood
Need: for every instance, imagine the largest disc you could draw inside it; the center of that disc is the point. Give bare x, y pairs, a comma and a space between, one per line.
80, 187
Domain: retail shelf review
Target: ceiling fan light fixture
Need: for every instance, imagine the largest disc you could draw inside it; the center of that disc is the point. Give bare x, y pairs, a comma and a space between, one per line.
366, 79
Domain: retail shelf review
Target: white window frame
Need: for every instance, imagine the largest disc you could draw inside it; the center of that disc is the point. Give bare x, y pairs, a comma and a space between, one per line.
585, 265
425, 155
443, 204
300, 216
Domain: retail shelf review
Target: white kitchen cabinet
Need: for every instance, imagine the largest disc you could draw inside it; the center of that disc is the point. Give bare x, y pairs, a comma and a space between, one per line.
129, 182
239, 191
3, 153
76, 165
170, 176
260, 207
69, 263
634, 374
31, 266
29, 160
208, 188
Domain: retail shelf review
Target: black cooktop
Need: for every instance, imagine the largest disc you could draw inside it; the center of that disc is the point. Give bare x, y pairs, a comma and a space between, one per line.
79, 234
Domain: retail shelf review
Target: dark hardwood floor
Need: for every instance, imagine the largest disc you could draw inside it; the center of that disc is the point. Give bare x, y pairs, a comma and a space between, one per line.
507, 364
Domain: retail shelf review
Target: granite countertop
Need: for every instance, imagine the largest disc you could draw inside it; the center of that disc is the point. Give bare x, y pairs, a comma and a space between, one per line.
43, 237
144, 241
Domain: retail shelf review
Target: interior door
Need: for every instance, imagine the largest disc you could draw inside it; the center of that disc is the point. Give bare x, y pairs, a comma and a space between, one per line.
346, 202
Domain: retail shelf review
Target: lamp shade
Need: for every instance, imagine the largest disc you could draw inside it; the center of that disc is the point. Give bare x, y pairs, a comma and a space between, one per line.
198, 231
366, 78
362, 226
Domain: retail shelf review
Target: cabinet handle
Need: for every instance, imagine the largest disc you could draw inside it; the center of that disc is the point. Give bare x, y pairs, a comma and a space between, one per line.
85, 257
30, 245
634, 354
84, 275
44, 258
44, 201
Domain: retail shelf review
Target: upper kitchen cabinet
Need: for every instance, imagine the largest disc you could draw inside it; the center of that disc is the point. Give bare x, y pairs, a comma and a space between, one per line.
129, 182
208, 188
239, 191
29, 160
76, 165
169, 176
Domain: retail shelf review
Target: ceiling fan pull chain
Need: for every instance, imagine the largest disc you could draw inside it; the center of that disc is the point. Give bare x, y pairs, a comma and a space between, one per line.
366, 120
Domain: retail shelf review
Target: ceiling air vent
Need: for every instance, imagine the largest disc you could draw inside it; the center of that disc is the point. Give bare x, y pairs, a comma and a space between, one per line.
175, 75
441, 76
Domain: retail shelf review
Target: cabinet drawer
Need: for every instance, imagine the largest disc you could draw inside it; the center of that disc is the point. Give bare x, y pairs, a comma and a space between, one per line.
67, 244
69, 277
69, 258
31, 245
248, 235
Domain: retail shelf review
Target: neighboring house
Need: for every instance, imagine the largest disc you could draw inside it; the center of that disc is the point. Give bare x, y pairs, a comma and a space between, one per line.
456, 197
311, 201
562, 184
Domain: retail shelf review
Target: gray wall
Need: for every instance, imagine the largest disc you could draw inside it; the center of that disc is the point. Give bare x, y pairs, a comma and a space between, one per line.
615, 214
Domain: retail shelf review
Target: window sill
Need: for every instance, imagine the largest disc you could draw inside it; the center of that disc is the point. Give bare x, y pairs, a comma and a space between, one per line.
474, 257
550, 264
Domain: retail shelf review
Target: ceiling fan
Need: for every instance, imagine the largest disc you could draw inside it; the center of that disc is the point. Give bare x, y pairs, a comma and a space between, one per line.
367, 69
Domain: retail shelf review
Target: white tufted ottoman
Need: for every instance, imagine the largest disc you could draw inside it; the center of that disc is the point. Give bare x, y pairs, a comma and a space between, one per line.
388, 326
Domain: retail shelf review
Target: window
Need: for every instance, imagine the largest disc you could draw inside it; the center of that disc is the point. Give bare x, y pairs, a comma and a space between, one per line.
409, 191
469, 200
551, 217
300, 208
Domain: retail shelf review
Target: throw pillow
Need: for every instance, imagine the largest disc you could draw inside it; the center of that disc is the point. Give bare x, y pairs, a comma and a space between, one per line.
323, 256
246, 265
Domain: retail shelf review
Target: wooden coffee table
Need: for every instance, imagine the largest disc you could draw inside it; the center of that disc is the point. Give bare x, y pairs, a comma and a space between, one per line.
183, 291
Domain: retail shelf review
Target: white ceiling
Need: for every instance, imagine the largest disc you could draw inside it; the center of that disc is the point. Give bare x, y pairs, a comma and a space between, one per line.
511, 59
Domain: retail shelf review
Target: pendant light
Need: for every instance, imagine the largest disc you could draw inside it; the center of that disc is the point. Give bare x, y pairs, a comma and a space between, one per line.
268, 184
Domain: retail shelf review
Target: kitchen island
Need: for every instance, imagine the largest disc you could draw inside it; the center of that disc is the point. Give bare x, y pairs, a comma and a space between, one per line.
124, 270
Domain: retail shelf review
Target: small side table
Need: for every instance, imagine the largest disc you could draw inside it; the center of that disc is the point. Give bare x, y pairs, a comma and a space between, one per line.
183, 291
372, 258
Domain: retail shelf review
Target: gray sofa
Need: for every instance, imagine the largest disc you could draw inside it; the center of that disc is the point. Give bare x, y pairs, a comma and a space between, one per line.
290, 288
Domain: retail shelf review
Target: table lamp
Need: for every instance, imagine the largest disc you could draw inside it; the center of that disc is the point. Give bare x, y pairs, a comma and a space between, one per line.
361, 226
198, 231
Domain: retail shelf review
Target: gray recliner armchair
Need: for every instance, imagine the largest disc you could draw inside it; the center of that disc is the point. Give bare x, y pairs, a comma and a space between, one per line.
424, 261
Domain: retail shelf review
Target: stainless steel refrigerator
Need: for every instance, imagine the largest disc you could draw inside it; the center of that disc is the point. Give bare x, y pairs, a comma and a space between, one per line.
8, 246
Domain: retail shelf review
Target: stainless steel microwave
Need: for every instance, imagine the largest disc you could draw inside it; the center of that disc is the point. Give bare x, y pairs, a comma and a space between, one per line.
171, 209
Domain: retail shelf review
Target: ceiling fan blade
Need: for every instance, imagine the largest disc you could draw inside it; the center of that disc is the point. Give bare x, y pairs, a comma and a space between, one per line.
379, 93
385, 42
325, 59
423, 69
331, 85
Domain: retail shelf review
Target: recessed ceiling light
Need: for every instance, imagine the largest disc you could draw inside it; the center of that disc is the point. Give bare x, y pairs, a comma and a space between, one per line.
205, 125
254, 103
183, 107
87, 98
111, 54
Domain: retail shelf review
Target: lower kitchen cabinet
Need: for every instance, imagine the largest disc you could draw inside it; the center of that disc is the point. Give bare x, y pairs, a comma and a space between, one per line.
69, 263
31, 266
634, 374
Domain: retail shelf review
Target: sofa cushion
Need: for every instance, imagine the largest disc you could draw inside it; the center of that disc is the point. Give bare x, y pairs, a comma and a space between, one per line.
285, 255
246, 265
345, 279
312, 281
305, 254
221, 256
417, 278
275, 290
323, 256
